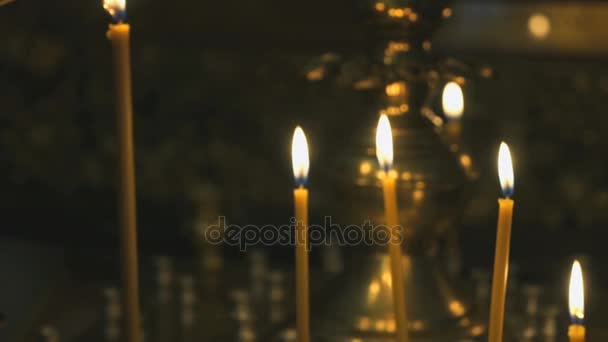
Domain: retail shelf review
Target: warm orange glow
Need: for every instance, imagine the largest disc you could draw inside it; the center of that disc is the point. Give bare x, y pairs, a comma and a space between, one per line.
365, 168
505, 170
576, 298
299, 156
380, 6
114, 7
447, 12
395, 89
539, 26
413, 17
384, 143
452, 100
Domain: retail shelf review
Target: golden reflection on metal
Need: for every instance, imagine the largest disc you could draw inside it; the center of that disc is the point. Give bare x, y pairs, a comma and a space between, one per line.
365, 168
446, 13
380, 6
396, 89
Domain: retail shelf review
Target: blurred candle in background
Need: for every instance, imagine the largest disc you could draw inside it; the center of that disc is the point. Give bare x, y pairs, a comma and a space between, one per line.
576, 304
452, 101
384, 152
503, 241
118, 34
301, 163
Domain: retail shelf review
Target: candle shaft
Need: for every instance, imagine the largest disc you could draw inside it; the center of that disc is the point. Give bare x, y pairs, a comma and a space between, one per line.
394, 249
576, 333
119, 37
501, 269
302, 302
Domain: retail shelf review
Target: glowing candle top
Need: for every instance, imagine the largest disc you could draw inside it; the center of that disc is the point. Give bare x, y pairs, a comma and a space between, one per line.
452, 101
576, 298
299, 157
505, 170
384, 143
117, 9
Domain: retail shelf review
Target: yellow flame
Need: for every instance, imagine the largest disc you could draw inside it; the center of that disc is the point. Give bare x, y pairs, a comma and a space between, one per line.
452, 100
576, 298
299, 154
505, 169
114, 6
384, 143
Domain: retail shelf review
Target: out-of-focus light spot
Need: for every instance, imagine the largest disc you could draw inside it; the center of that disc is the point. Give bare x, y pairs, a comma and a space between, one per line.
406, 176
364, 323
387, 279
418, 195
365, 168
391, 325
456, 308
396, 89
316, 74
539, 26
477, 330
413, 17
380, 6
417, 325
486, 71
446, 13
380, 325
465, 160
426, 45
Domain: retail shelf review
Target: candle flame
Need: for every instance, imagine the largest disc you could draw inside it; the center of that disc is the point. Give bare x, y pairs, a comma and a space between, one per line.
384, 143
299, 156
452, 100
576, 298
116, 8
505, 170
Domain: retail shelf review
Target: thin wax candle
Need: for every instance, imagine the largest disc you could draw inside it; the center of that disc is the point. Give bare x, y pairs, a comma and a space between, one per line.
503, 241
299, 155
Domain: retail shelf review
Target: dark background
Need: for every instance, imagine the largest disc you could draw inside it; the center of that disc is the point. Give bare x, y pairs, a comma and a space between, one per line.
219, 86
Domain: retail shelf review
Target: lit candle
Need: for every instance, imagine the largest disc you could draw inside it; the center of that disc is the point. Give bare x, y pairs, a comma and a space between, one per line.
503, 240
576, 304
300, 162
118, 34
452, 101
384, 152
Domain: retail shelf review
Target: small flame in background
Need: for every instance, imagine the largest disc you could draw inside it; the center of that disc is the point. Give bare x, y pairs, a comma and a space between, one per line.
384, 143
452, 100
299, 156
116, 8
505, 170
576, 298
